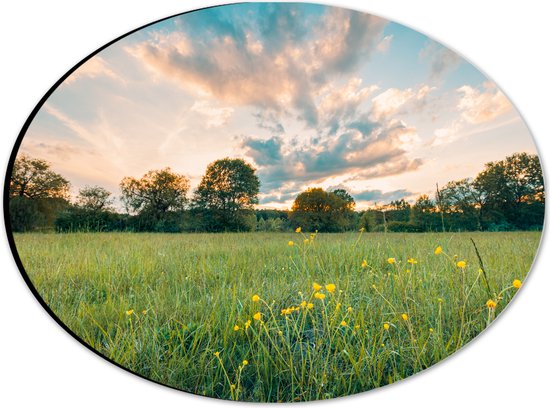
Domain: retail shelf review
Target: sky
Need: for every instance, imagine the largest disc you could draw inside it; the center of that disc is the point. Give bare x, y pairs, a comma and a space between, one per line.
310, 95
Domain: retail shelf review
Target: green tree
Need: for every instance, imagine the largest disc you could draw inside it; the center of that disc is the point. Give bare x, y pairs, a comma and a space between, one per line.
226, 195
158, 198
36, 194
463, 204
513, 191
317, 209
94, 198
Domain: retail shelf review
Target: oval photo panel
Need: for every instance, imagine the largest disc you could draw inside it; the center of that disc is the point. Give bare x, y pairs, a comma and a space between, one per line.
275, 202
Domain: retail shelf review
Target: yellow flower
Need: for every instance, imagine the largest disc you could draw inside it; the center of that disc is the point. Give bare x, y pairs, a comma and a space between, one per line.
516, 283
257, 316
438, 250
343, 323
310, 306
290, 243
130, 312
306, 241
491, 304
247, 324
319, 296
412, 261
236, 328
356, 327
245, 362
217, 353
461, 264
255, 298
338, 306
350, 309
362, 229
280, 333
144, 312
316, 286
405, 317
298, 230
364, 263
330, 287
303, 304
431, 330
391, 260
386, 326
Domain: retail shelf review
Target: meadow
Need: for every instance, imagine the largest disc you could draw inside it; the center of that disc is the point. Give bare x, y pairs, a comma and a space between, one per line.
277, 316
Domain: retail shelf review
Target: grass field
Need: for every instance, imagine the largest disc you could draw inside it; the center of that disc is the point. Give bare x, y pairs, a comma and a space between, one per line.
179, 308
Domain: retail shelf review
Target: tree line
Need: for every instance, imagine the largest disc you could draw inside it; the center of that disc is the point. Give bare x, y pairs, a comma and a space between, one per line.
506, 195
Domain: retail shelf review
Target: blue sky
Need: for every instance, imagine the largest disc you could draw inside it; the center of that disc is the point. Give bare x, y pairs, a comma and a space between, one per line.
312, 96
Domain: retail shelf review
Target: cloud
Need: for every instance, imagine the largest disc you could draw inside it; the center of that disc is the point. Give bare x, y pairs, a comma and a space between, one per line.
215, 116
482, 106
377, 154
442, 60
378, 196
393, 101
269, 121
476, 107
93, 68
279, 67
384, 45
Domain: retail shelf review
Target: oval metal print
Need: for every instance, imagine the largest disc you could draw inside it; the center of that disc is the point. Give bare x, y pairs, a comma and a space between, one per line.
275, 202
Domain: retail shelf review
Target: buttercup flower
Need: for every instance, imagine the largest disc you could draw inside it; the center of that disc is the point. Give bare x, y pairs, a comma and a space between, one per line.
438, 250
516, 283
319, 296
330, 287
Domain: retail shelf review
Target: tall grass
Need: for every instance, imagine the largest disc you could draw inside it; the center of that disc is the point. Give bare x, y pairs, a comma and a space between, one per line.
179, 308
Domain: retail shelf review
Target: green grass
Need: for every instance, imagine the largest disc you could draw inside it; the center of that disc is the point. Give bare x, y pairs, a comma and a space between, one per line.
188, 291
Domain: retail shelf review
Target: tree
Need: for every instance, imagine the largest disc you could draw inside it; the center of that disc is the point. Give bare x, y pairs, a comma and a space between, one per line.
226, 196
157, 198
36, 195
32, 178
464, 202
423, 214
317, 209
94, 199
513, 191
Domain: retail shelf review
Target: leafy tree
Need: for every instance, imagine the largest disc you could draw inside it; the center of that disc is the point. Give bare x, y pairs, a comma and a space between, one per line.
464, 202
226, 196
317, 209
513, 191
424, 215
36, 194
157, 198
94, 198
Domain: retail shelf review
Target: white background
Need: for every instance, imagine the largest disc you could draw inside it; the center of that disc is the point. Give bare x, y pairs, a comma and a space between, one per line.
41, 364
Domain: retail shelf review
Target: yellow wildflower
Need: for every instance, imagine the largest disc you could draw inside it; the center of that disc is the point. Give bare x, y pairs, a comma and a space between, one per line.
236, 328
245, 362
350, 309
362, 229
257, 316
247, 324
338, 306
356, 327
303, 304
298, 230
412, 261
255, 298
386, 326
343, 323
405, 317
391, 260
461, 264
306, 241
310, 306
431, 330
290, 243
144, 312
491, 304
516, 283
217, 353
130, 312
280, 333
438, 250
319, 296
330, 287
364, 263
316, 286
